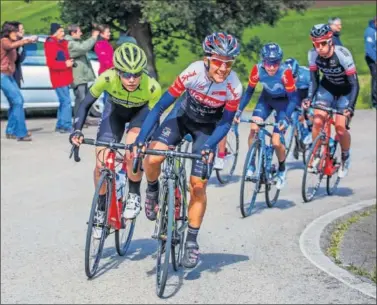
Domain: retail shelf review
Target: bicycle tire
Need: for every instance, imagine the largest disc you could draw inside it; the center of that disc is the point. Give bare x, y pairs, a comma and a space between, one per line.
90, 272
271, 200
164, 247
224, 179
330, 189
291, 134
303, 185
254, 148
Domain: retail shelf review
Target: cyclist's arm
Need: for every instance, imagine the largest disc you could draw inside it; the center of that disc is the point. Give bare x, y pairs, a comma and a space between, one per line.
166, 100
314, 74
94, 93
225, 123
290, 88
83, 110
253, 81
346, 60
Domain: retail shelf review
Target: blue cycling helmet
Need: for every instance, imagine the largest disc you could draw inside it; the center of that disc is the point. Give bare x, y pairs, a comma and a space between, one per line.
321, 32
293, 65
271, 52
221, 43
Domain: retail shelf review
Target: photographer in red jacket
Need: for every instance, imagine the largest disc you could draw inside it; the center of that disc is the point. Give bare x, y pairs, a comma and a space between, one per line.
61, 75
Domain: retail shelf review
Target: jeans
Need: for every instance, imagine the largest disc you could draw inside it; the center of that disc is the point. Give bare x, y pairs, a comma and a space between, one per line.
65, 108
373, 72
16, 114
80, 93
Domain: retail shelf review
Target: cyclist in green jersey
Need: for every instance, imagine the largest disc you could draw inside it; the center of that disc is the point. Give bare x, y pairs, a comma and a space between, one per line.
132, 93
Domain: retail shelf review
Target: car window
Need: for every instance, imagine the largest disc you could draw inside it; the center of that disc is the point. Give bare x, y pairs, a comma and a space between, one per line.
35, 55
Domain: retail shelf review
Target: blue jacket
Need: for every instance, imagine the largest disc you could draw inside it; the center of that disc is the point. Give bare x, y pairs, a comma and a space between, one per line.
370, 40
336, 39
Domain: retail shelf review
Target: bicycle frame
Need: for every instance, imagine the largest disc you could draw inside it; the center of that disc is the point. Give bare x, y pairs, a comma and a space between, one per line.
329, 168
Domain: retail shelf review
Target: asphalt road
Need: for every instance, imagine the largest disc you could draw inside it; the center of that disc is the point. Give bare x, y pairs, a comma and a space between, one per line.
45, 201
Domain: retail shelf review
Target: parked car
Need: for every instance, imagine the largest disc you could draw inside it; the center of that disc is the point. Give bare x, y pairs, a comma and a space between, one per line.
36, 87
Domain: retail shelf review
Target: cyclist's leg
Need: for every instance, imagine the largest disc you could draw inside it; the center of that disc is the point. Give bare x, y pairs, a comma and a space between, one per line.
166, 135
133, 205
343, 135
322, 98
198, 197
221, 153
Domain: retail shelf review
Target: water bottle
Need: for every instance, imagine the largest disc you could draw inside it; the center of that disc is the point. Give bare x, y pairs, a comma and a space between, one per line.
120, 183
332, 146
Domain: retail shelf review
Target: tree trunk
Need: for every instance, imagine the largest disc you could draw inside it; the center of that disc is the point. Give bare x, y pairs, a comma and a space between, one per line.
143, 34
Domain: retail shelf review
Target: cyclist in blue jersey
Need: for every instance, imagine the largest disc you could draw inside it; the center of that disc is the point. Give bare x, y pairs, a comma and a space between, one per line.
279, 94
213, 92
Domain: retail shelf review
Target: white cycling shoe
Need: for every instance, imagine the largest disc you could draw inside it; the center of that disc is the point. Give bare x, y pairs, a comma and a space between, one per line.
219, 163
133, 206
344, 167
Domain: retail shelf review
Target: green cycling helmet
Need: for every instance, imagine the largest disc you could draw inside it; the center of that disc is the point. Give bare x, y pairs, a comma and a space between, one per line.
130, 58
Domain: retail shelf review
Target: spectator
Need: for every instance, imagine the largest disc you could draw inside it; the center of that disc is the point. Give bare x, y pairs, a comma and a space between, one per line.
61, 76
104, 49
21, 54
336, 26
16, 128
371, 57
82, 71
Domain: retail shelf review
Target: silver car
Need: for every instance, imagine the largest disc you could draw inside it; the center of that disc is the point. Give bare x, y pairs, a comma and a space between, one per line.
37, 89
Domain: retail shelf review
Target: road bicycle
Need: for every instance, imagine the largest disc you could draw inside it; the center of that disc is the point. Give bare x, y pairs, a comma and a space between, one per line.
323, 159
106, 220
260, 156
172, 220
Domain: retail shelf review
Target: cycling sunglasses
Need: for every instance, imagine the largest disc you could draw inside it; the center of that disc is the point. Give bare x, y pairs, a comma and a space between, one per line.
321, 43
219, 62
272, 64
128, 75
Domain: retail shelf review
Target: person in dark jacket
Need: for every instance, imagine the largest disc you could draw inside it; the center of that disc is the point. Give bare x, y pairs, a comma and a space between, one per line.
21, 54
371, 56
61, 76
335, 24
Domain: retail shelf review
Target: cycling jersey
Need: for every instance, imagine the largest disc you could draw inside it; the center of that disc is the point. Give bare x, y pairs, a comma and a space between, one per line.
339, 74
303, 78
206, 102
147, 94
279, 87
205, 99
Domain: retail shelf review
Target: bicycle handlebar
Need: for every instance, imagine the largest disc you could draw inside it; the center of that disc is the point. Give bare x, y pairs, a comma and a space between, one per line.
260, 124
111, 145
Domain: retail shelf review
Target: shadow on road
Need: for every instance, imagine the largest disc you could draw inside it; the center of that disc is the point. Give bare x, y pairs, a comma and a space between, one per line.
139, 250
209, 262
339, 192
214, 182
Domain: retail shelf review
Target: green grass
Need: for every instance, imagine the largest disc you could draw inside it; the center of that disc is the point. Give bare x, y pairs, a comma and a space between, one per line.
291, 33
337, 238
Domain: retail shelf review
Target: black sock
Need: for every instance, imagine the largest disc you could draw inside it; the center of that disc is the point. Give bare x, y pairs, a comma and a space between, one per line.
134, 187
153, 186
282, 166
192, 234
102, 202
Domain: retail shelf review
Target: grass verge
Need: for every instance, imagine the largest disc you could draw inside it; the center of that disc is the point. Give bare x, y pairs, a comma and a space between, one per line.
337, 238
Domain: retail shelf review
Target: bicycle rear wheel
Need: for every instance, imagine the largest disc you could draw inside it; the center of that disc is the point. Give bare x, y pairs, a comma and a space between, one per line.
271, 192
232, 148
289, 139
315, 156
254, 153
164, 236
332, 181
97, 232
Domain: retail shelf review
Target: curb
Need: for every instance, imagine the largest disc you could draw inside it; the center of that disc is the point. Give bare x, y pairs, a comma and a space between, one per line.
310, 247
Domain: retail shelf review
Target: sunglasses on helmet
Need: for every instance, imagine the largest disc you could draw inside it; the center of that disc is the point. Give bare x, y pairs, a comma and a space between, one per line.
219, 62
128, 75
323, 43
272, 64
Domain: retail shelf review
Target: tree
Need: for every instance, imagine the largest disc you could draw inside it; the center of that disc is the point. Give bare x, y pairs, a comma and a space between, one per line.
164, 23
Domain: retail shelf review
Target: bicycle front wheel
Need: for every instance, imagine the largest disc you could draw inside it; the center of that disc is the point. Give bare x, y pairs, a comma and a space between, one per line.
97, 226
230, 160
313, 173
247, 200
333, 180
165, 232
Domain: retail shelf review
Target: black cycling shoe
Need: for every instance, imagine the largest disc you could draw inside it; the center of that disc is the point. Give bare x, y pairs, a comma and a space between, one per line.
151, 205
191, 255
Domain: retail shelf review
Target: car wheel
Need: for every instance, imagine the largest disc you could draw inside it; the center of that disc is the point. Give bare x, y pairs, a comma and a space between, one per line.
96, 109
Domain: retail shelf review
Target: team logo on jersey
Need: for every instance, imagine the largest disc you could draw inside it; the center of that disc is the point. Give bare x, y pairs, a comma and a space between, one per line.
332, 62
332, 70
232, 91
275, 87
221, 93
166, 132
201, 86
187, 76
